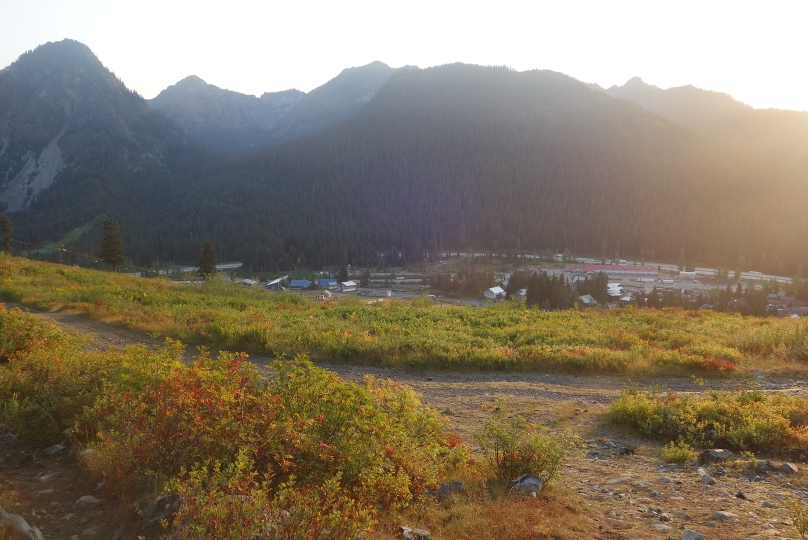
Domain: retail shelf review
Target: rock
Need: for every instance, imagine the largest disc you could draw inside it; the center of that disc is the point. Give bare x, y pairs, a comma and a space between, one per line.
664, 479
723, 516
55, 449
707, 479
764, 464
164, 509
656, 494
413, 534
660, 527
789, 468
88, 502
92, 532
684, 516
715, 454
689, 534
15, 527
767, 504
527, 483
740, 495
447, 489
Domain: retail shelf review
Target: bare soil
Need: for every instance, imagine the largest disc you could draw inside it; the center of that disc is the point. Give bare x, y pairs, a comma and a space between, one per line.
621, 496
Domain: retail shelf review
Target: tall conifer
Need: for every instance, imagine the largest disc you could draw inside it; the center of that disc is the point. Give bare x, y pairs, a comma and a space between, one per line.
111, 249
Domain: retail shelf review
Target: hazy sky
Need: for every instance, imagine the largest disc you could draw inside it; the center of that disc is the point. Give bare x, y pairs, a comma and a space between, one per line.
754, 51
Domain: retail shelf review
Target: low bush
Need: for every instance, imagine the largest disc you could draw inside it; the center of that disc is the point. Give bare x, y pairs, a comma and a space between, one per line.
513, 447
741, 420
678, 452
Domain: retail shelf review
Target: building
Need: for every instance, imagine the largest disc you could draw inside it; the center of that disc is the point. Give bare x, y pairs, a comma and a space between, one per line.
587, 300
300, 285
521, 294
621, 269
275, 284
365, 291
327, 283
494, 293
347, 286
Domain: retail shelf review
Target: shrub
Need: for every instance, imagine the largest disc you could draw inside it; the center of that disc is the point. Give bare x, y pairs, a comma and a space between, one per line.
799, 516
234, 502
513, 447
678, 452
742, 420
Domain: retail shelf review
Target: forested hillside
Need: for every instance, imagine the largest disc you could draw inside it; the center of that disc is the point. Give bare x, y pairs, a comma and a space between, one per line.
451, 158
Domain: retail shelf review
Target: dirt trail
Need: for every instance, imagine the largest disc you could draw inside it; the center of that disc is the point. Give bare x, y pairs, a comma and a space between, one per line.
622, 497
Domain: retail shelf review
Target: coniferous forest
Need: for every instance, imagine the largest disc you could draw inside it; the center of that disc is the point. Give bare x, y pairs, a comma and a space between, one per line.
449, 158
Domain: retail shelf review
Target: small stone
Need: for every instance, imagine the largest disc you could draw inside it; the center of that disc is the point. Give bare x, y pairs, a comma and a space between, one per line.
711, 524
656, 494
45, 492
723, 516
767, 504
764, 464
789, 468
664, 480
660, 527
741, 495
87, 502
689, 534
684, 516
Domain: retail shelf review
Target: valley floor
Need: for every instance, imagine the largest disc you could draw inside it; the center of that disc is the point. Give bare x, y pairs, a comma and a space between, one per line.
615, 496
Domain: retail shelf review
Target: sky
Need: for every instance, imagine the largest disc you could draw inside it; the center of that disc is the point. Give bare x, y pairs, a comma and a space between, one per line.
754, 51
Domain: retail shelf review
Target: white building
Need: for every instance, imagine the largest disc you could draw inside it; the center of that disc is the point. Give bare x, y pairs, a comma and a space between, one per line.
494, 292
364, 291
347, 286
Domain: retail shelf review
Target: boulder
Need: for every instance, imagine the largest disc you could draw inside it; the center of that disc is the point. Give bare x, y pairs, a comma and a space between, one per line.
789, 468
165, 508
715, 454
527, 483
16, 528
88, 502
723, 516
447, 489
689, 534
411, 533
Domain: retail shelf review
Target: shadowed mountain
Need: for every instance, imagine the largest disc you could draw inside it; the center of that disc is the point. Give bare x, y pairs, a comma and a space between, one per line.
62, 112
222, 119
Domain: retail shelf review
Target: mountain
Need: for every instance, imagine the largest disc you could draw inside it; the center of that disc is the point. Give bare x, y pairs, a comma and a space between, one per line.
62, 112
454, 157
222, 119
228, 121
720, 116
333, 102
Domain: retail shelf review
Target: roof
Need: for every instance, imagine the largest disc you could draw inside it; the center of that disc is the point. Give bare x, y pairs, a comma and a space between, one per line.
587, 299
497, 290
326, 281
348, 284
305, 283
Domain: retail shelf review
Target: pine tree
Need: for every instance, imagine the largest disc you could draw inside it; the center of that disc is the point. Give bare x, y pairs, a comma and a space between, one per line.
5, 231
111, 249
206, 264
343, 273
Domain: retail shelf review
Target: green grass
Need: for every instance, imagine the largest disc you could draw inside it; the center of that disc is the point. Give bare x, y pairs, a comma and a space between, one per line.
415, 334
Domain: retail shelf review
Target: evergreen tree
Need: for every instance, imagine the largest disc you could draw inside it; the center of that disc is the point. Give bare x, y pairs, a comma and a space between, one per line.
5, 231
343, 273
206, 264
111, 249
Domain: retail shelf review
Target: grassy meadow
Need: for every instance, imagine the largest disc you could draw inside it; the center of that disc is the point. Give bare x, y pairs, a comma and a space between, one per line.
417, 334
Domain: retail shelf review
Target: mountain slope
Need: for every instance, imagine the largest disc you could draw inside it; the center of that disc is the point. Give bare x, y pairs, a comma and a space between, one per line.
62, 111
331, 103
223, 119
720, 116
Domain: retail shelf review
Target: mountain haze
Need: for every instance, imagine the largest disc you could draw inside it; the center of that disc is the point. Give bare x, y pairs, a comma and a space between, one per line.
223, 119
720, 116
228, 121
